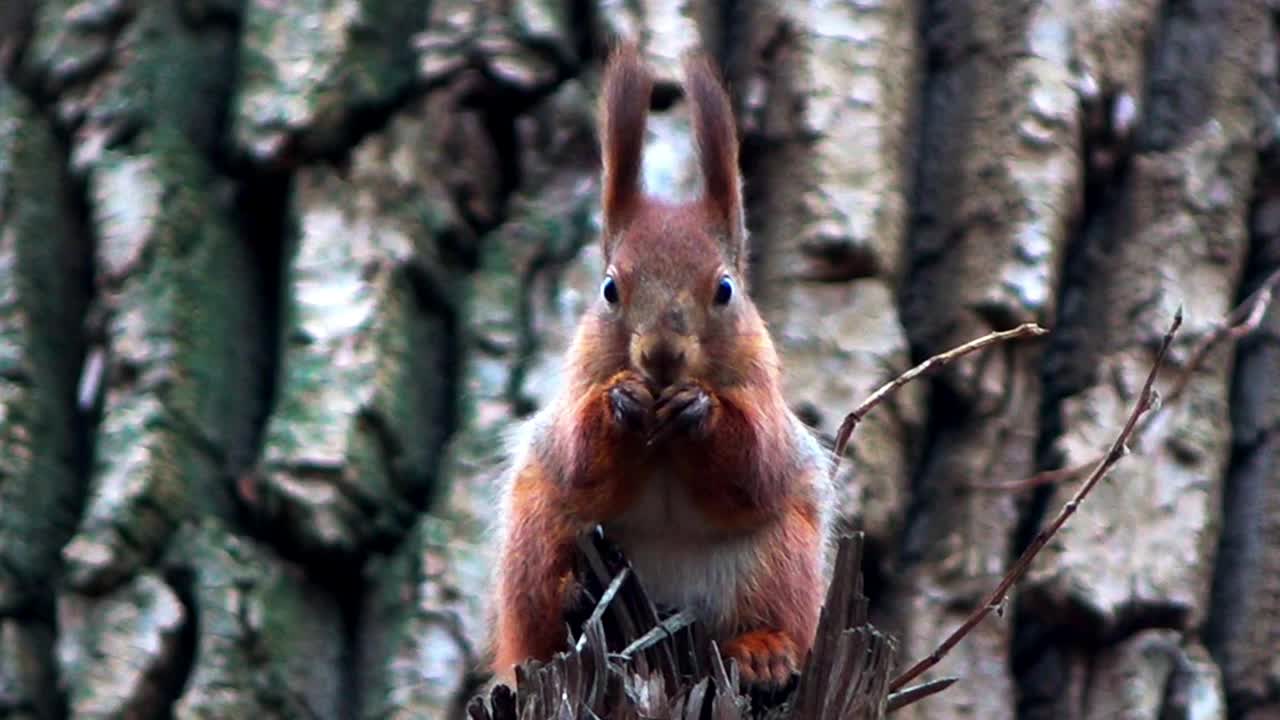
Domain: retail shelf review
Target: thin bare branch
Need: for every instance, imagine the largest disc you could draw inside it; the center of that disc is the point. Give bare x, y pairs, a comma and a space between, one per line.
662, 631
1240, 322
597, 614
931, 365
916, 693
996, 598
1047, 477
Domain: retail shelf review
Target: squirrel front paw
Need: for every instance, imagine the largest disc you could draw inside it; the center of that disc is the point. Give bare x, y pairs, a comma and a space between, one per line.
766, 658
680, 409
630, 402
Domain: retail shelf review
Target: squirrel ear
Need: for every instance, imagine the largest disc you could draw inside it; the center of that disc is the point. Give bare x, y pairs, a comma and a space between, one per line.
624, 108
717, 142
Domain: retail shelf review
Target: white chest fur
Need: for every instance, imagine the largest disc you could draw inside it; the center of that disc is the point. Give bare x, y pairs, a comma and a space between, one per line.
680, 558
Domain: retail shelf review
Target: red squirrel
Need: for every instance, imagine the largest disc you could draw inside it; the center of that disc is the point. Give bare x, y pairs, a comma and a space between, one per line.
670, 430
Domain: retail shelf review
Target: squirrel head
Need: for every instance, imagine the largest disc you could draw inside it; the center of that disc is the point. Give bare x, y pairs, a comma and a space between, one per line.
673, 304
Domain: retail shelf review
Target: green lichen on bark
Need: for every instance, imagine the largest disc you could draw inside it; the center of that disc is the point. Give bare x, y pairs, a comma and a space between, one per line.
306, 66
174, 282
43, 291
351, 450
175, 289
118, 655
114, 69
27, 682
269, 641
64, 46
423, 634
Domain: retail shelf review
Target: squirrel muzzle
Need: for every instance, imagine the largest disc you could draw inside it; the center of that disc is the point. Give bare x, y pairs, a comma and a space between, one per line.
665, 351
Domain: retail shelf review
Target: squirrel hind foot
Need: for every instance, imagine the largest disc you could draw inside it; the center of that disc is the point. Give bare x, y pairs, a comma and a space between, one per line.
767, 659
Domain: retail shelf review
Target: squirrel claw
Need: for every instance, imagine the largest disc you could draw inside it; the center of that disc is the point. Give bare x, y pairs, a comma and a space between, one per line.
680, 408
630, 401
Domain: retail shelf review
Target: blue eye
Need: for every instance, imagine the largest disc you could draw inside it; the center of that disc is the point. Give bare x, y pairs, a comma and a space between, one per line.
724, 290
609, 289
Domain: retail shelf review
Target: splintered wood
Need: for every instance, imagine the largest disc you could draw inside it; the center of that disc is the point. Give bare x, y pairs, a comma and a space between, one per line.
630, 662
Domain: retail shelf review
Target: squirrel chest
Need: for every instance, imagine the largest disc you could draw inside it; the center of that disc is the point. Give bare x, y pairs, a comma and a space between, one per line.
682, 559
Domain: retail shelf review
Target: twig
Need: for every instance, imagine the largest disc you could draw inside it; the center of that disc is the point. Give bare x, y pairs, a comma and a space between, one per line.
1246, 318
658, 633
1047, 477
914, 694
996, 599
933, 364
1241, 321
597, 614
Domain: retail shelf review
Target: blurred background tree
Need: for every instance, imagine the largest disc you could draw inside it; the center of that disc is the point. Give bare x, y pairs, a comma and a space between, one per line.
277, 276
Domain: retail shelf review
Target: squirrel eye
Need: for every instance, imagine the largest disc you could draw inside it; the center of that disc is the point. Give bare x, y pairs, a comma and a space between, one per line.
724, 290
609, 289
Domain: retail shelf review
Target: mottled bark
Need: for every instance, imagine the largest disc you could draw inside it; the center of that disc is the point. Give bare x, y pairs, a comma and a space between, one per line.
1245, 618
1184, 203
828, 103
1000, 176
278, 280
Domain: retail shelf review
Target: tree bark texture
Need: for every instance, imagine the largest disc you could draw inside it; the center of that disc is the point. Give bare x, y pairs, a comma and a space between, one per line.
278, 278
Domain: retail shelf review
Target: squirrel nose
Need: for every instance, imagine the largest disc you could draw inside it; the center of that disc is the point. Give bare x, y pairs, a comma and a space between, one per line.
662, 364
675, 321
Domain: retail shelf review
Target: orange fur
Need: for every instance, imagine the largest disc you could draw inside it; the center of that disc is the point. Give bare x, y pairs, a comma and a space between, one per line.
783, 600
535, 571
718, 151
624, 108
732, 473
767, 657
671, 430
592, 458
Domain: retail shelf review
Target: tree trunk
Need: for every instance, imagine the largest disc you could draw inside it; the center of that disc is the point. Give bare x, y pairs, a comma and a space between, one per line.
278, 278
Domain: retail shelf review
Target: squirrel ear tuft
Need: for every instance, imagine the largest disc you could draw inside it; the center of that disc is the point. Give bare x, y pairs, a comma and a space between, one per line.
624, 109
717, 141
